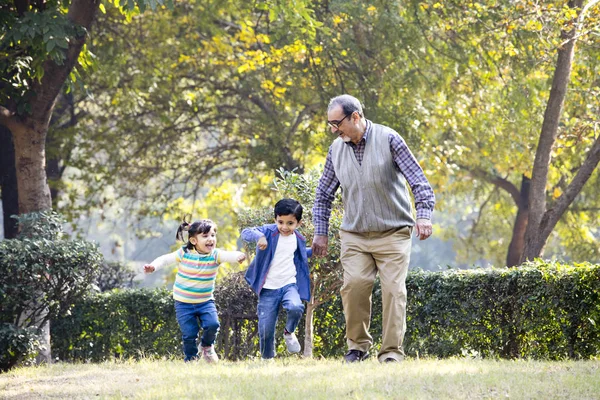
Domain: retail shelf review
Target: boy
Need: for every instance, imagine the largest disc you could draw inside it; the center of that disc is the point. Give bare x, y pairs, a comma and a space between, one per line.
279, 274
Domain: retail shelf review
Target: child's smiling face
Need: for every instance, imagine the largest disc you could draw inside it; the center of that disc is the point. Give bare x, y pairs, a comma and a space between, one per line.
205, 242
286, 224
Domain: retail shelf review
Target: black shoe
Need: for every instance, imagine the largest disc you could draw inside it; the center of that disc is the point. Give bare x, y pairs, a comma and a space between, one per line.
355, 355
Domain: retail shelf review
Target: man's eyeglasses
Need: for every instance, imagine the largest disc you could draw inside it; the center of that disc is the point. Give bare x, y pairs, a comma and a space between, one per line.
336, 124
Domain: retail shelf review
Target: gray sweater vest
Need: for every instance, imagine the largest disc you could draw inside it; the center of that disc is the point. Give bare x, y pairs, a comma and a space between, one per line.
375, 194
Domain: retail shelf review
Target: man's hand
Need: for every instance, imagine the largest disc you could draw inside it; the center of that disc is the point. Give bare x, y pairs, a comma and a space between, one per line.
319, 245
424, 228
262, 243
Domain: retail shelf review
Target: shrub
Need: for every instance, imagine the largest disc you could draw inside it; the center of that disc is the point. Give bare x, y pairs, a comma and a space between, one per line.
114, 275
542, 310
16, 345
118, 324
41, 275
236, 304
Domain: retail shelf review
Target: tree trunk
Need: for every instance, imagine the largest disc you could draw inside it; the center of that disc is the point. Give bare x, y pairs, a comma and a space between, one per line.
30, 160
517, 242
535, 239
8, 183
309, 329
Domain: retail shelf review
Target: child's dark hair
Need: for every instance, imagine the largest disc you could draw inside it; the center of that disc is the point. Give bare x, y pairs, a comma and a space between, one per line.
288, 207
196, 227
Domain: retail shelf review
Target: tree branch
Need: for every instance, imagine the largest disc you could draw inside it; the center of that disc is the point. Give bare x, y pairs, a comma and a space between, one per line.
552, 216
496, 180
81, 13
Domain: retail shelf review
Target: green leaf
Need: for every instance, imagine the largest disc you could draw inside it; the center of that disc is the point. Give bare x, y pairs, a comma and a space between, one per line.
62, 43
50, 45
272, 14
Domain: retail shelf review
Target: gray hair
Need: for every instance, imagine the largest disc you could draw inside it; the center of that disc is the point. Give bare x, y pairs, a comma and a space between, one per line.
348, 103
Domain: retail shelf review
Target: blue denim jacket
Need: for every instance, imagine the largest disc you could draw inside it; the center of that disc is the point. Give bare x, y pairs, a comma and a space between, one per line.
258, 269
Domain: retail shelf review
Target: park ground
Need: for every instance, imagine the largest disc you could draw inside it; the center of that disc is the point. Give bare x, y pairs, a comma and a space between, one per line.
294, 378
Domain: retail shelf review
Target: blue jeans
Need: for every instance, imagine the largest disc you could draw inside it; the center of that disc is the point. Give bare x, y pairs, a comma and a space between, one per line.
268, 309
188, 315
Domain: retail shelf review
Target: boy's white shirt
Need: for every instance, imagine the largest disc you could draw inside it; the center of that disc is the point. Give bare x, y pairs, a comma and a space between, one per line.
171, 258
282, 270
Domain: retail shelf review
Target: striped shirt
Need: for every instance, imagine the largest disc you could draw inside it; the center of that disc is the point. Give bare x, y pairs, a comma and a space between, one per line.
195, 279
405, 163
196, 272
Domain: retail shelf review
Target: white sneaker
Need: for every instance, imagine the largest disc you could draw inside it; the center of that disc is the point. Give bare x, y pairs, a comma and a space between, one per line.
209, 354
291, 342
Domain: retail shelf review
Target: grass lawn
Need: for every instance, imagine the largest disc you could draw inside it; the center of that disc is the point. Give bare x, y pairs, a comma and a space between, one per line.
294, 378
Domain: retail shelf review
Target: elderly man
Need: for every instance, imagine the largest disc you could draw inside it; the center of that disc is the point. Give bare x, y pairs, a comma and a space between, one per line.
374, 167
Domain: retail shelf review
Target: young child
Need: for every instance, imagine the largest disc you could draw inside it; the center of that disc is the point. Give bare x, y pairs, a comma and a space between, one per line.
197, 261
279, 274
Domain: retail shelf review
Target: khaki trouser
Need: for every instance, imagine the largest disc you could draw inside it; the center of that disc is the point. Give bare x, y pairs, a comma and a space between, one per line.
362, 256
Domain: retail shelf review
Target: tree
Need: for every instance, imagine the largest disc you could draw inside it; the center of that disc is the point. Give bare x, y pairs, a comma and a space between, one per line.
41, 44
495, 61
543, 219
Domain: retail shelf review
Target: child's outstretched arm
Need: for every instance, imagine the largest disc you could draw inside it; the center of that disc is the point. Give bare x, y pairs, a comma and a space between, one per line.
255, 235
231, 257
161, 262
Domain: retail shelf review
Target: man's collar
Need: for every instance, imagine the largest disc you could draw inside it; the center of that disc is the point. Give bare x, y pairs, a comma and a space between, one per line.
367, 129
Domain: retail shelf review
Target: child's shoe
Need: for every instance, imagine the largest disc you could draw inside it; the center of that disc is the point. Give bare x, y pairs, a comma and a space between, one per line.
209, 354
291, 342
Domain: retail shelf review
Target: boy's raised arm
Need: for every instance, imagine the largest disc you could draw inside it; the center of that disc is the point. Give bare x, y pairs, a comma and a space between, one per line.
252, 234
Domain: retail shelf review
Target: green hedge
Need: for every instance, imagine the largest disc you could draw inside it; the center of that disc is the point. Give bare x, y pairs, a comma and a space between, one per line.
118, 324
541, 311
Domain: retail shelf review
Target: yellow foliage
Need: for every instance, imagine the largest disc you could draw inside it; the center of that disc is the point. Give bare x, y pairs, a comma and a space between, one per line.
267, 84
279, 92
556, 193
191, 96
